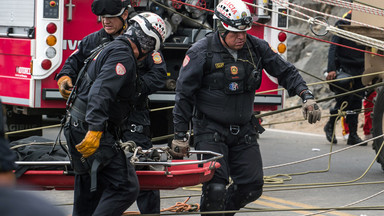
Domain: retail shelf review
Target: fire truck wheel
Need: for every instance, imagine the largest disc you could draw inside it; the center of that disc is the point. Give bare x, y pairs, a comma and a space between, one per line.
377, 125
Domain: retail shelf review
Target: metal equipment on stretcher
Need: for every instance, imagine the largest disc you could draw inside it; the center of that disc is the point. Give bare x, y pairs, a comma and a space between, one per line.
173, 174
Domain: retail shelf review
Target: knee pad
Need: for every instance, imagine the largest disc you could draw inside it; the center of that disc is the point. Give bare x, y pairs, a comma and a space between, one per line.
213, 197
239, 196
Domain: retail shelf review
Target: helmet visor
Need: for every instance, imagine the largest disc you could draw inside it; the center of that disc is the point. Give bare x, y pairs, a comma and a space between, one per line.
150, 27
113, 15
243, 23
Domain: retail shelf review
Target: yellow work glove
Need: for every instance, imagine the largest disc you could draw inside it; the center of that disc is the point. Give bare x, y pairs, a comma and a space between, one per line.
90, 143
65, 85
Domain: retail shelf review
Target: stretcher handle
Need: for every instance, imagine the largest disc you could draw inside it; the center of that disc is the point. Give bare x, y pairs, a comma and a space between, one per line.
32, 163
186, 162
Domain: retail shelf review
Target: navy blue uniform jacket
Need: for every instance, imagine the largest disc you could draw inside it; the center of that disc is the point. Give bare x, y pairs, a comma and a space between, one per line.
113, 75
189, 90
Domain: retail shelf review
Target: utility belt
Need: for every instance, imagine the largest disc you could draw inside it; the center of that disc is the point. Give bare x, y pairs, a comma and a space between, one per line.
216, 137
232, 128
136, 128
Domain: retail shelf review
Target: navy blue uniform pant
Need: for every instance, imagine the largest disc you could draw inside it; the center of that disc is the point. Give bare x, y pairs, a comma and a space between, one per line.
242, 162
354, 103
148, 201
117, 183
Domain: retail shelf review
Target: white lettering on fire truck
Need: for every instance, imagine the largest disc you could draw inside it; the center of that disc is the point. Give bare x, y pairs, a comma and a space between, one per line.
23, 72
70, 44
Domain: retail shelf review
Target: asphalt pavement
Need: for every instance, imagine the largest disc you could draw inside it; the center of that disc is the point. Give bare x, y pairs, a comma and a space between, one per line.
302, 178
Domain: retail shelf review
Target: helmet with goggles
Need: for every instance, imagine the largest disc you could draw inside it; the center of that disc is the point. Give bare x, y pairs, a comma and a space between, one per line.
109, 8
234, 15
153, 26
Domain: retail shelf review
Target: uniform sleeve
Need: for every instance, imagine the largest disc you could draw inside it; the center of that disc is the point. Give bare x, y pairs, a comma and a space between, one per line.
75, 61
116, 70
332, 54
154, 77
188, 83
285, 72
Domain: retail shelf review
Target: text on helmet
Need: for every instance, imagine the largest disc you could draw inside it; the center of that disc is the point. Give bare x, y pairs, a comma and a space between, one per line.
231, 6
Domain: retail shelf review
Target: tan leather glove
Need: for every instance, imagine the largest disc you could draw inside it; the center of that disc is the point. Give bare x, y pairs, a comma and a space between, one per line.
311, 111
90, 143
180, 145
65, 85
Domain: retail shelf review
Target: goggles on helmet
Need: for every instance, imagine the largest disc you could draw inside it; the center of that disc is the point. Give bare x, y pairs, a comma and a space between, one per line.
150, 27
240, 24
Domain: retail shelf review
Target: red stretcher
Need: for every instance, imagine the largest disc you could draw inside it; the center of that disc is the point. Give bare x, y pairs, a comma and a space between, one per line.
176, 173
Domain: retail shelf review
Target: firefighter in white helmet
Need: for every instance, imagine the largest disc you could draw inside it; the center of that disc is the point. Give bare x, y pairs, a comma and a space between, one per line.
216, 91
104, 183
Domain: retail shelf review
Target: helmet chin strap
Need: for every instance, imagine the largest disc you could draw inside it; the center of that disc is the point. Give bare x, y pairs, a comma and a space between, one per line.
124, 26
223, 36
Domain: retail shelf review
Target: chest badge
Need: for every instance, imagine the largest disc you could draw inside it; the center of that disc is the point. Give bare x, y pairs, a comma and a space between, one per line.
233, 86
219, 65
234, 70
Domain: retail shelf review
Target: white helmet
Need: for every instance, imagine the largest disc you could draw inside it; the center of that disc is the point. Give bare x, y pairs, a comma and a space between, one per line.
234, 15
152, 25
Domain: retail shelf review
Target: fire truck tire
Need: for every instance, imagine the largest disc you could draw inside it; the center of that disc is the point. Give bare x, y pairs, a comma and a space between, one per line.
377, 125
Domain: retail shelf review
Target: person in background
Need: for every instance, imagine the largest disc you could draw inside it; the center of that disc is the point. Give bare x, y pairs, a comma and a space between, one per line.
342, 60
152, 74
216, 90
368, 108
114, 15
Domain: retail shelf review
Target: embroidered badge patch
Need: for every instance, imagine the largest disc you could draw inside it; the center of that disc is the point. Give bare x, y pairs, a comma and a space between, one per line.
219, 65
233, 86
157, 58
186, 60
234, 70
120, 69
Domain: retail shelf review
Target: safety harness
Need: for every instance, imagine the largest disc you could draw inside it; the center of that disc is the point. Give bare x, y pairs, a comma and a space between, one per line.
242, 80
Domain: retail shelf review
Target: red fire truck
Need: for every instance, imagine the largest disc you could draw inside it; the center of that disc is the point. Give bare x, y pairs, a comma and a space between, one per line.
37, 36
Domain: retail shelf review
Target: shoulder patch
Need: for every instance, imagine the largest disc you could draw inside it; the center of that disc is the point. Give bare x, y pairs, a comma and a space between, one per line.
120, 69
186, 60
157, 58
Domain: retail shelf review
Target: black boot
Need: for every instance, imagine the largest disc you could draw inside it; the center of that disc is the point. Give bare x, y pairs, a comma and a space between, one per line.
354, 139
328, 129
